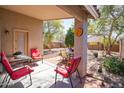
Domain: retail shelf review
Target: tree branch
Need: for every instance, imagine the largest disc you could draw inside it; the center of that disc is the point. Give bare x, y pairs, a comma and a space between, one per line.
115, 39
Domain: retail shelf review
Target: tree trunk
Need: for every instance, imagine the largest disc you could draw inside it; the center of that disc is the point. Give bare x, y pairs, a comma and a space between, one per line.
108, 52
104, 49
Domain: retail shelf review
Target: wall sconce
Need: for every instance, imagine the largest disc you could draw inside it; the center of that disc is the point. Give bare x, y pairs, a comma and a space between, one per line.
6, 32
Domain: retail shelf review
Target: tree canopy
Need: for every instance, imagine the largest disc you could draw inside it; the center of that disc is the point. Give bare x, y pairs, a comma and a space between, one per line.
69, 39
109, 25
51, 28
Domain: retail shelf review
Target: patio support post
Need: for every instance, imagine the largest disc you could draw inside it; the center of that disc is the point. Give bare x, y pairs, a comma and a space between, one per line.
80, 45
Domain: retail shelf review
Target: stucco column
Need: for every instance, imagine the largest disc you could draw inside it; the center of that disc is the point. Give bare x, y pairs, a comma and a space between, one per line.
80, 46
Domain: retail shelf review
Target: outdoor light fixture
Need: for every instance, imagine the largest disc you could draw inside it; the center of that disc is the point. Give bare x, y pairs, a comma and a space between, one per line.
6, 32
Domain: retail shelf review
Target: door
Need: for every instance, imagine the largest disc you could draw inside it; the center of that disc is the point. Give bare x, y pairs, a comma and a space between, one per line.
21, 41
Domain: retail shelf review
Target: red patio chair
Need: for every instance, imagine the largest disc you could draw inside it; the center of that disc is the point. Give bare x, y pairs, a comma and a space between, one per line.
15, 74
67, 71
36, 55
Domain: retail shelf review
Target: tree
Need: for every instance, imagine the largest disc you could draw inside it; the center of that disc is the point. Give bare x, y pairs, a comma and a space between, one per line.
51, 28
69, 39
60, 35
109, 25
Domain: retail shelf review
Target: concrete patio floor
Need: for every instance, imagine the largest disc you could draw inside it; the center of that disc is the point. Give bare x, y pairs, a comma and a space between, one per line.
44, 77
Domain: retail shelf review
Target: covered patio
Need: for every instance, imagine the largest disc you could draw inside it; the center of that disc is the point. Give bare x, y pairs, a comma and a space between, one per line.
29, 20
44, 77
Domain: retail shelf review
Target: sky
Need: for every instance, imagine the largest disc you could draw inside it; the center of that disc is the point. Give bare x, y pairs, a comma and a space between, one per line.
67, 24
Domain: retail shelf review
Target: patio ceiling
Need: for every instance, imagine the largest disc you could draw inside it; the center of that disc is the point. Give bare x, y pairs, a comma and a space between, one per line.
47, 12
42, 12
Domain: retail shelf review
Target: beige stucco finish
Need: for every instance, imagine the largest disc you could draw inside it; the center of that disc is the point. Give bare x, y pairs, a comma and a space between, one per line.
12, 21
80, 46
42, 12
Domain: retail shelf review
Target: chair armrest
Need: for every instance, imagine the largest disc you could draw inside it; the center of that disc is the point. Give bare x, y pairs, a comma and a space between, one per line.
60, 66
16, 69
26, 66
63, 67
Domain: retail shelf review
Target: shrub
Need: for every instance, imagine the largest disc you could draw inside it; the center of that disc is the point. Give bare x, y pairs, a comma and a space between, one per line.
114, 65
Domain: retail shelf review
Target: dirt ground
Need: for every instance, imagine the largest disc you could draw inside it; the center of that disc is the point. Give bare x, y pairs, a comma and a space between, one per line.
101, 79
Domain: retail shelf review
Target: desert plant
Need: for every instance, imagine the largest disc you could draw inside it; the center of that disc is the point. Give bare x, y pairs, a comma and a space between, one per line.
114, 65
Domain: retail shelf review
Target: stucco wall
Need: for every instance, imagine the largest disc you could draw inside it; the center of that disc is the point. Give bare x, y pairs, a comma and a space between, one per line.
11, 21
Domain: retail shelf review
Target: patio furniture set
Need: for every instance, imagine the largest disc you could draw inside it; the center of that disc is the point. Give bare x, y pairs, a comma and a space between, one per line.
15, 60
64, 70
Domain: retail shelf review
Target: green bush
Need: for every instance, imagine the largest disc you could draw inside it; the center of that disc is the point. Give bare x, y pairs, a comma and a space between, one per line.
114, 65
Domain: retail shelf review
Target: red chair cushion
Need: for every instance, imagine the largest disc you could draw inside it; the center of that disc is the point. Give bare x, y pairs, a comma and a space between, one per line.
74, 64
35, 53
6, 63
62, 71
21, 72
66, 71
37, 57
